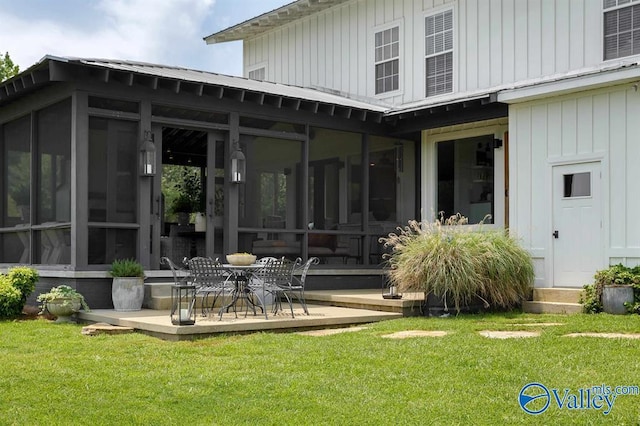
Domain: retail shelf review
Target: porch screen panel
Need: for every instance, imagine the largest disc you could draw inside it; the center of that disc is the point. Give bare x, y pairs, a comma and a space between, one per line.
466, 178
335, 177
113, 182
113, 146
17, 172
53, 240
392, 190
15, 244
335, 195
270, 198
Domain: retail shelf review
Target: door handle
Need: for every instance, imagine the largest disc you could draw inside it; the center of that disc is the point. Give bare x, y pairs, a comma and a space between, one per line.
555, 234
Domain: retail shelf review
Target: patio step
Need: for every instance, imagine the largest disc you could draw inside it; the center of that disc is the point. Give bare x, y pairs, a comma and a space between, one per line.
554, 301
558, 295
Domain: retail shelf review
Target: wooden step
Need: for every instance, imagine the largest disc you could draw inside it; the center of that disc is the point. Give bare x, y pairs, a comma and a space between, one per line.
536, 307
557, 295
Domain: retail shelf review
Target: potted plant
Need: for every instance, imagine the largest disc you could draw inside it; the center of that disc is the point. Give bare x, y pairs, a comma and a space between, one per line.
127, 290
454, 264
63, 302
612, 290
182, 206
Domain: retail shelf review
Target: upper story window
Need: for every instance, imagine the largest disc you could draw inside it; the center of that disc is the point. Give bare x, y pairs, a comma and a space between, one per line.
258, 74
439, 53
621, 28
387, 62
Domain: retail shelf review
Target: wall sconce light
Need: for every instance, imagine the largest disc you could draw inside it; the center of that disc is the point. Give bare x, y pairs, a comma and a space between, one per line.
497, 143
148, 155
238, 165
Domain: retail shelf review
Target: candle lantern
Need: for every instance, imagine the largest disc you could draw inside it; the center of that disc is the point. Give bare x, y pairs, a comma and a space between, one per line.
238, 165
148, 155
389, 290
183, 301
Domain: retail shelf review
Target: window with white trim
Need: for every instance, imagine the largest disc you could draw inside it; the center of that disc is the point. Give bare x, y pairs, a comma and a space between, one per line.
258, 74
387, 63
621, 28
439, 53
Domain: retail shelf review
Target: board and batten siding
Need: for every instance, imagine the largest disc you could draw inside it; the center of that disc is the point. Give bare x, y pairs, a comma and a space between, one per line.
496, 42
599, 125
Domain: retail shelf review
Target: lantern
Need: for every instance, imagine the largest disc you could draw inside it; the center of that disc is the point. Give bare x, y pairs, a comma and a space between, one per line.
238, 166
183, 301
389, 290
148, 155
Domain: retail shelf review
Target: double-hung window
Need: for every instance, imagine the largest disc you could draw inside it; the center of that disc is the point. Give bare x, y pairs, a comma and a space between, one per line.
439, 53
621, 28
387, 51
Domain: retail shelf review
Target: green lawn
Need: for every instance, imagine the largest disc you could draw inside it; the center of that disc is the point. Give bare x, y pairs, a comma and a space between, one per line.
51, 374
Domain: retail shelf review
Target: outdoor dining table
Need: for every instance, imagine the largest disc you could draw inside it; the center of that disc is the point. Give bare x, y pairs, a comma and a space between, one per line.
242, 275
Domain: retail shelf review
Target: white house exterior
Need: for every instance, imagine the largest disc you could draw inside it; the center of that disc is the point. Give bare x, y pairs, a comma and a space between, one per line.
559, 168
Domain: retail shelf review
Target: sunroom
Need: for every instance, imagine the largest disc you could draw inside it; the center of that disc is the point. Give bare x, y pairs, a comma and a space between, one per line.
88, 146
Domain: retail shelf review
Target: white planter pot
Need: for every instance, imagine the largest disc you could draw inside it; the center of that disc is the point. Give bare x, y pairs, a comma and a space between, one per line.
201, 222
64, 308
127, 293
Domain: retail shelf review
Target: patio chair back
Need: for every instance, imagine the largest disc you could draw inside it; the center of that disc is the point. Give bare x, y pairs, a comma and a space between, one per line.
210, 278
180, 275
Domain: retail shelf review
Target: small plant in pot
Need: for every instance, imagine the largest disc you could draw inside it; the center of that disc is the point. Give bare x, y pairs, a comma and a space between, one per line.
127, 291
63, 302
182, 206
615, 290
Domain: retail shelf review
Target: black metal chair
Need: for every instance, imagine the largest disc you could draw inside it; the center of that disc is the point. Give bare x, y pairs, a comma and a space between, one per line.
278, 279
210, 279
298, 283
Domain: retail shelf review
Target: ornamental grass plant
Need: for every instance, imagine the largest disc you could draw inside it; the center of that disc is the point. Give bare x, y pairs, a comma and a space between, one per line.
459, 263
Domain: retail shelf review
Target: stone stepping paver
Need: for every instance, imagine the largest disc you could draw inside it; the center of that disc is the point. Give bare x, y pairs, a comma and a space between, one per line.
331, 331
508, 334
415, 333
537, 324
605, 335
104, 328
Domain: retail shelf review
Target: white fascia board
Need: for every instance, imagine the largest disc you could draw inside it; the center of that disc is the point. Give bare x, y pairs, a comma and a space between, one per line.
570, 85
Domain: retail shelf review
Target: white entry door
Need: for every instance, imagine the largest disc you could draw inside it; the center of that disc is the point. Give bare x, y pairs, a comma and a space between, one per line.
577, 224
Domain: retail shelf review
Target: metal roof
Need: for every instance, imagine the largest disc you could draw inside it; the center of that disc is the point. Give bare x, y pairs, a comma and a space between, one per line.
270, 20
40, 74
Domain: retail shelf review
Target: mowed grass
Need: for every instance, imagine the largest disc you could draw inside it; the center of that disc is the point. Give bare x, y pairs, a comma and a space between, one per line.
51, 374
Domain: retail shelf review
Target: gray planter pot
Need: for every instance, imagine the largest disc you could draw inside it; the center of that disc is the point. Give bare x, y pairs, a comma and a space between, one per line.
614, 298
127, 293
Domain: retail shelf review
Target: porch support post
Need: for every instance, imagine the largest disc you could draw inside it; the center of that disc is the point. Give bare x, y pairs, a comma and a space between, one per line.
79, 180
210, 196
231, 198
144, 194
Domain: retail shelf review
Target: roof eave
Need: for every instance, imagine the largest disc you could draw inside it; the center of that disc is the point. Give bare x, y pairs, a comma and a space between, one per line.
270, 20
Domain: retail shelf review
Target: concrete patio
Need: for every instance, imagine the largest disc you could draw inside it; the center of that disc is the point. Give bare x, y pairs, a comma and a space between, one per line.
327, 309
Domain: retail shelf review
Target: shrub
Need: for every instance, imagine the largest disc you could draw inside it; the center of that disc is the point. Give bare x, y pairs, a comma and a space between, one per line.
11, 303
126, 268
24, 279
15, 287
458, 262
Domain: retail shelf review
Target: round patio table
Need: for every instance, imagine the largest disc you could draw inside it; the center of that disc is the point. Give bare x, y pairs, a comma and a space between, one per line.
241, 276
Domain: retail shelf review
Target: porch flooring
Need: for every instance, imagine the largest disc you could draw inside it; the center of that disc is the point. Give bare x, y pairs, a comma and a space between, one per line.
327, 309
